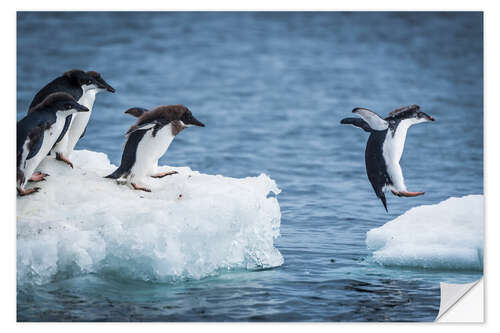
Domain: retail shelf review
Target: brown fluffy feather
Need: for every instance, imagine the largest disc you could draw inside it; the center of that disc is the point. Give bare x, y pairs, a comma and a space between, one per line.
165, 112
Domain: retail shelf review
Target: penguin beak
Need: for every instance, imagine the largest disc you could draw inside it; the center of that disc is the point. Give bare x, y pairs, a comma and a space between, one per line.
427, 117
104, 85
193, 121
81, 108
110, 88
196, 122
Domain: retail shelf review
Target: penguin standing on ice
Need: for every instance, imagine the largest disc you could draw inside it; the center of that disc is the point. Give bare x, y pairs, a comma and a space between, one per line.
83, 86
385, 147
149, 139
37, 133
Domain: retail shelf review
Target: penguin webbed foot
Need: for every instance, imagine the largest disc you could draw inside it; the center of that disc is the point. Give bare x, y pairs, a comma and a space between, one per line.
140, 188
163, 174
38, 177
22, 192
407, 194
60, 157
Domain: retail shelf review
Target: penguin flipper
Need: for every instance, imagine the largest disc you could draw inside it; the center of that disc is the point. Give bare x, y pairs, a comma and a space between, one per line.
83, 133
145, 126
357, 122
136, 111
36, 139
67, 122
31, 128
374, 120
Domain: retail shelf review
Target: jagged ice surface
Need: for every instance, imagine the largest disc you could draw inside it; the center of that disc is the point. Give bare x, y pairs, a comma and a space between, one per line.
448, 235
192, 225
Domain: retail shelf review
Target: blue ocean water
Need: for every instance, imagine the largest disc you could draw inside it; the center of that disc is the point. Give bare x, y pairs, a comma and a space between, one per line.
272, 88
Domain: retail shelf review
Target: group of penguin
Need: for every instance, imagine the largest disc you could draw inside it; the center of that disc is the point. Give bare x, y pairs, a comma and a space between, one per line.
58, 116
60, 111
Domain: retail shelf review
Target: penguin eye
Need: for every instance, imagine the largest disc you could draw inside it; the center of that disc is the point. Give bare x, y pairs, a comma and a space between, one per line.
68, 106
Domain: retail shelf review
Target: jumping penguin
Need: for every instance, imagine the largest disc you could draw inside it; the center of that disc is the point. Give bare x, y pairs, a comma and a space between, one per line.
148, 140
385, 146
37, 133
83, 86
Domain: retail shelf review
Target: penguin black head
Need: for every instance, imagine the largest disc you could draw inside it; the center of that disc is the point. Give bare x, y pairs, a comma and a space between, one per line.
87, 80
59, 102
411, 112
78, 77
179, 115
170, 113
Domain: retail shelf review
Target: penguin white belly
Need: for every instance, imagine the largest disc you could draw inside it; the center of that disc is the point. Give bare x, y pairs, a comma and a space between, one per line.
79, 121
149, 151
49, 138
392, 151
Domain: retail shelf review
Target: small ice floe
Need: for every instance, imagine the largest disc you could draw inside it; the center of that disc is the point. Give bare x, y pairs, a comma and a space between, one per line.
448, 235
191, 225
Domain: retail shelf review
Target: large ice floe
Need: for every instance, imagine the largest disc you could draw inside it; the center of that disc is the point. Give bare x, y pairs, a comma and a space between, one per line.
448, 235
190, 226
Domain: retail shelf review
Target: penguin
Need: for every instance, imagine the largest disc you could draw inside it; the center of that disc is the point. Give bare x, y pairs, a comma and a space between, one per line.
385, 146
137, 112
148, 140
37, 133
83, 86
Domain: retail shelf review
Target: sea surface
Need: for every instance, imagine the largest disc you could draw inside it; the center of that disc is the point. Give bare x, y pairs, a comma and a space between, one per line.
271, 89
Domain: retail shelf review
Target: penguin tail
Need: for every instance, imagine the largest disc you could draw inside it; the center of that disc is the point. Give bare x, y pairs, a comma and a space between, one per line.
384, 201
381, 195
116, 174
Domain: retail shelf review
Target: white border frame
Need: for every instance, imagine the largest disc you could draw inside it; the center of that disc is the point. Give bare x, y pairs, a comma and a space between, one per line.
491, 135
